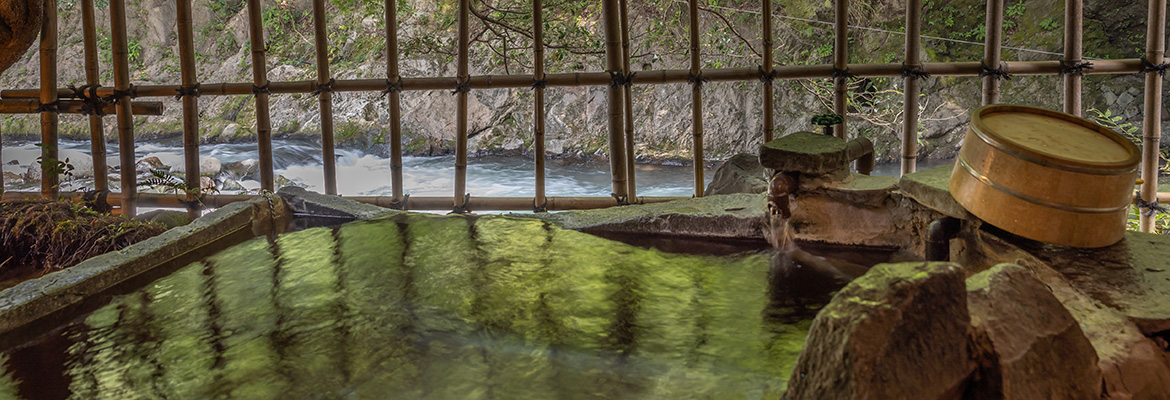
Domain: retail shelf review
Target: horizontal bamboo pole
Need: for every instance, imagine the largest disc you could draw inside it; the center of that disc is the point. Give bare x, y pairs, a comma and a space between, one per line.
432, 203
819, 71
30, 106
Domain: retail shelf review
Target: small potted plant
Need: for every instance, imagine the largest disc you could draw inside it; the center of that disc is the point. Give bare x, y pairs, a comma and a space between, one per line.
826, 121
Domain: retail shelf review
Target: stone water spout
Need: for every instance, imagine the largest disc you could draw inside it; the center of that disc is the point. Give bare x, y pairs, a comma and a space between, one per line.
20, 23
804, 161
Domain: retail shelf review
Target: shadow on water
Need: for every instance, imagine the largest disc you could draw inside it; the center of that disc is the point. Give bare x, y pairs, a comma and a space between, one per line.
448, 307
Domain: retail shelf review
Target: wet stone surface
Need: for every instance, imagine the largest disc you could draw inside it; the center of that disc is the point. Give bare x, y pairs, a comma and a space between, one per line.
721, 216
805, 152
1132, 276
929, 187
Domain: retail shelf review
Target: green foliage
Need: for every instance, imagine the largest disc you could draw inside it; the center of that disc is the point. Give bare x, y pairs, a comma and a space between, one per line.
1161, 221
1129, 131
827, 119
52, 166
1015, 10
1050, 24
134, 48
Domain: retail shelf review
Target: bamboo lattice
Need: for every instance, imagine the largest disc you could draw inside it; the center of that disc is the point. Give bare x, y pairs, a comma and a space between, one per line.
49, 100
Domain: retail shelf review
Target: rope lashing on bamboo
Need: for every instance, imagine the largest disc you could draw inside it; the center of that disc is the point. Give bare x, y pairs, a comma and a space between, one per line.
1150, 208
915, 72
399, 204
256, 90
1148, 66
843, 73
48, 107
622, 200
183, 91
618, 79
392, 87
463, 85
323, 87
539, 83
1075, 67
767, 76
131, 92
696, 81
463, 209
542, 207
91, 104
997, 73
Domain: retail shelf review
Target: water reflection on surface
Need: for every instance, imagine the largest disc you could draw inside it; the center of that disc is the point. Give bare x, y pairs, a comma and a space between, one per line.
431, 307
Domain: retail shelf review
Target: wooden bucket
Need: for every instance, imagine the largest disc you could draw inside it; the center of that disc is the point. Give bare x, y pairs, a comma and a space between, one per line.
1046, 175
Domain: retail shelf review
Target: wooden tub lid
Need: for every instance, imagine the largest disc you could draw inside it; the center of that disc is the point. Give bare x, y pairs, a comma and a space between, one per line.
1049, 137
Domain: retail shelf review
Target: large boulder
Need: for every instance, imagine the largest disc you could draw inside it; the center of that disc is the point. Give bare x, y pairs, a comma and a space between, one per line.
897, 332
208, 166
1132, 365
20, 23
742, 173
1028, 346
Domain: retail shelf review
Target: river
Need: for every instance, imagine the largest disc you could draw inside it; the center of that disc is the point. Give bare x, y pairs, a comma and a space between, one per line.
363, 174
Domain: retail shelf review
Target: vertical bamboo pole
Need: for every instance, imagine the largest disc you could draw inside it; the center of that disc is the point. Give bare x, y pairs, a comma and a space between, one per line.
991, 56
48, 53
769, 128
392, 78
910, 101
92, 76
260, 84
841, 63
696, 99
190, 105
613, 54
325, 97
121, 57
1073, 15
461, 116
1152, 118
538, 101
628, 102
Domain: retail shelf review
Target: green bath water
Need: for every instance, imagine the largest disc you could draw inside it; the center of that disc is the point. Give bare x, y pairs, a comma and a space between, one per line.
428, 307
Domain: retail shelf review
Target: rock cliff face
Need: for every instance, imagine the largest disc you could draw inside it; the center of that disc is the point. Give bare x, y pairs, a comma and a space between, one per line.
20, 22
577, 116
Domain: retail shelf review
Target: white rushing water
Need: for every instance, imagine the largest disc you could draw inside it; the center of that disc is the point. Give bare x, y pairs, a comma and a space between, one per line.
363, 174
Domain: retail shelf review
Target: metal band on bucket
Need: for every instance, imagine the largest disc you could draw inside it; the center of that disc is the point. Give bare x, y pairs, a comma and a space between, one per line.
1034, 200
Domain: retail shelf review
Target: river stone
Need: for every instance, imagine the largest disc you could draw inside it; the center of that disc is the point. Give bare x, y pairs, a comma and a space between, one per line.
1028, 346
210, 166
81, 162
12, 178
805, 152
149, 163
929, 187
897, 332
742, 173
244, 169
231, 185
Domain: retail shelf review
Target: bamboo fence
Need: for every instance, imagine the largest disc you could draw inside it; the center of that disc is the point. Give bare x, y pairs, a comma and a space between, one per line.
49, 99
